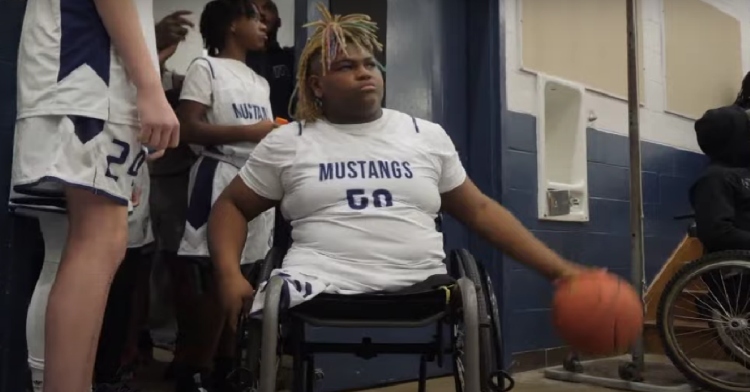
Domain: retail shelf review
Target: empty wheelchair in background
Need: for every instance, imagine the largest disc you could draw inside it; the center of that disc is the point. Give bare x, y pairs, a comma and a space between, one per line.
463, 307
703, 319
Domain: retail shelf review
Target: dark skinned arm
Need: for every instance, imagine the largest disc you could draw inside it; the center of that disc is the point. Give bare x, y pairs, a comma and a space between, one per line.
227, 225
499, 227
195, 129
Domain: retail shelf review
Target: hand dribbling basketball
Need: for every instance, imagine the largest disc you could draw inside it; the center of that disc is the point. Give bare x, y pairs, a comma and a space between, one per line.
596, 312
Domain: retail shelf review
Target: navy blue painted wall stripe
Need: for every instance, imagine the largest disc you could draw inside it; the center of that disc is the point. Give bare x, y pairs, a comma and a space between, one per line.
604, 241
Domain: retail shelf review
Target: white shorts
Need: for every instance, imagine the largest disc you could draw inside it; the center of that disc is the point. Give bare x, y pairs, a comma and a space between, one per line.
208, 178
140, 232
51, 152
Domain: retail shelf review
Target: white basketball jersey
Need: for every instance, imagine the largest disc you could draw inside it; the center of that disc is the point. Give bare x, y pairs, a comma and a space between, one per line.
234, 94
361, 198
68, 66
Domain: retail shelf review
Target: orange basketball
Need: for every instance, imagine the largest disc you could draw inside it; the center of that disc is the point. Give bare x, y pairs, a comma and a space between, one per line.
597, 313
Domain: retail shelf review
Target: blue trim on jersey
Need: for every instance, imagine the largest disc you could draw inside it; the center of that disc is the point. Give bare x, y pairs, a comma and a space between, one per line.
86, 128
299, 126
210, 67
200, 197
83, 39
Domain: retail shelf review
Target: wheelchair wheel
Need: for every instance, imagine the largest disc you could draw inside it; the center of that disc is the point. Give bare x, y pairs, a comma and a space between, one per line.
493, 379
245, 377
703, 320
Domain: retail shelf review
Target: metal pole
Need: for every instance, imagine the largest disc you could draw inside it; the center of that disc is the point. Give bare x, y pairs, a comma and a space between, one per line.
636, 194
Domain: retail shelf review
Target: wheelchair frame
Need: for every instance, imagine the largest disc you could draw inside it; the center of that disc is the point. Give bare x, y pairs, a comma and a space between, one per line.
670, 296
473, 307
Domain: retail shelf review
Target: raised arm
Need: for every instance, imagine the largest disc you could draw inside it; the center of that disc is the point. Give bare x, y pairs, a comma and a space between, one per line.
499, 227
465, 202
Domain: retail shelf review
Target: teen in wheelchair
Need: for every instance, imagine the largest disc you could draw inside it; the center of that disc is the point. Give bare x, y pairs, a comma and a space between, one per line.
361, 187
708, 300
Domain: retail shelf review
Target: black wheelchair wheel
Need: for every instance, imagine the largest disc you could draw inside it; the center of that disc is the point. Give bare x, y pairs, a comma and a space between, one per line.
246, 373
714, 286
493, 379
500, 380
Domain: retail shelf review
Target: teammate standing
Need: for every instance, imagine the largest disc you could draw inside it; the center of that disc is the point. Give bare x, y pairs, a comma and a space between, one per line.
54, 227
224, 108
275, 63
89, 93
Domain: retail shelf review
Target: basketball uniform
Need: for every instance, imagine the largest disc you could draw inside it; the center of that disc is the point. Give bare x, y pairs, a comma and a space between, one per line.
54, 225
361, 199
234, 95
77, 120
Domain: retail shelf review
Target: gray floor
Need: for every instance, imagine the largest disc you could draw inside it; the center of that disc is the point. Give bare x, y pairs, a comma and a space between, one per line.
532, 381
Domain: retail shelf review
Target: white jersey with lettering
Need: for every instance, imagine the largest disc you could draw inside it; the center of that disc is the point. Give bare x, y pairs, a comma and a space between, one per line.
361, 199
77, 119
234, 95
68, 66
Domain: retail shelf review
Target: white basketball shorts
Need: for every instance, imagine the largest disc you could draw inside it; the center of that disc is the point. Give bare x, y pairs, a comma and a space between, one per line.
208, 178
52, 152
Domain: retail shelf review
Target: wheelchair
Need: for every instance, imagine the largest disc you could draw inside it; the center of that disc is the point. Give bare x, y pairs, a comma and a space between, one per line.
462, 302
706, 302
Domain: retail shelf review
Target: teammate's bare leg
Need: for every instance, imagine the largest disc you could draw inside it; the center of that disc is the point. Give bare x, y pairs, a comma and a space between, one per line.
97, 240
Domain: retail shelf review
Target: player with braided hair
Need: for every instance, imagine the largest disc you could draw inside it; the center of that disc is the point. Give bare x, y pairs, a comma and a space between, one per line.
333, 33
361, 186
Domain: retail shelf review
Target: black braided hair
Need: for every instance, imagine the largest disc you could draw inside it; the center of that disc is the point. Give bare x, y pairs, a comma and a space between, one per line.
331, 36
216, 19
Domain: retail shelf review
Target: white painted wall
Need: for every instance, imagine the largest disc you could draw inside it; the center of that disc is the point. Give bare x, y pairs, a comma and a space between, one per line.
656, 125
193, 45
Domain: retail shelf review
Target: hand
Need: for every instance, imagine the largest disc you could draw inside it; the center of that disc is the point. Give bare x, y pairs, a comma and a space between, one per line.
572, 270
166, 53
172, 29
262, 128
155, 155
159, 126
135, 197
234, 293
177, 80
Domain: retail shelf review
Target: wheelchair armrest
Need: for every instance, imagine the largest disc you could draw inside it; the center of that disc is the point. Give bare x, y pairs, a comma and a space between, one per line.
272, 261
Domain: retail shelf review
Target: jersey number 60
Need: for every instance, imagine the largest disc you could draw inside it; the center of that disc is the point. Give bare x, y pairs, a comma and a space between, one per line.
358, 199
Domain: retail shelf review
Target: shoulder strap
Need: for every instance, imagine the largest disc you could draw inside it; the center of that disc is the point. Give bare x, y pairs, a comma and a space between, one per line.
210, 69
210, 65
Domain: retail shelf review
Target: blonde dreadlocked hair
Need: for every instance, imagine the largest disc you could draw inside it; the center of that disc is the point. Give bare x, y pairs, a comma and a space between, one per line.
331, 36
